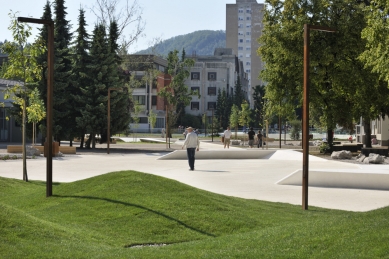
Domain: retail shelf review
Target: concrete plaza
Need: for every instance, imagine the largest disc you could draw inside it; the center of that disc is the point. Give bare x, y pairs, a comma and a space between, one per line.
253, 178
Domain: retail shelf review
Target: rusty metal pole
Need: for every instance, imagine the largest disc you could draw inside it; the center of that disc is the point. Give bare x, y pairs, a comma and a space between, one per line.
109, 120
305, 129
50, 93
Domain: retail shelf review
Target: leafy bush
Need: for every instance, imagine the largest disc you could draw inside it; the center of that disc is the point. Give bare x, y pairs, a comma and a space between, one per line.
295, 131
325, 148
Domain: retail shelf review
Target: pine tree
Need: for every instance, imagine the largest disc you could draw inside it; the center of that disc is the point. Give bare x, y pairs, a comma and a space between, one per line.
62, 120
80, 74
42, 59
120, 101
93, 114
238, 95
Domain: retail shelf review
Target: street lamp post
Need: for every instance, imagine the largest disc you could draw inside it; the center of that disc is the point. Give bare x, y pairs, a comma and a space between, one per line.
305, 134
109, 116
49, 107
212, 124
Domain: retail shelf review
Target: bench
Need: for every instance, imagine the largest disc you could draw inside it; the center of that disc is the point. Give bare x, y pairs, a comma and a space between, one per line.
383, 151
347, 147
19, 149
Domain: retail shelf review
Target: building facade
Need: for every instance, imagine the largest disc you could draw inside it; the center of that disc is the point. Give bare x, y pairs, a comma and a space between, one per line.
145, 92
211, 73
243, 28
10, 130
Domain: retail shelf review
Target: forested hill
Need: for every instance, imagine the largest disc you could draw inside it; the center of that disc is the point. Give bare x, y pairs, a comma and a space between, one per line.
200, 42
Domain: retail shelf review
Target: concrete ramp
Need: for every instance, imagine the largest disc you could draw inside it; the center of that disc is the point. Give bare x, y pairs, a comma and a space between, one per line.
221, 154
356, 179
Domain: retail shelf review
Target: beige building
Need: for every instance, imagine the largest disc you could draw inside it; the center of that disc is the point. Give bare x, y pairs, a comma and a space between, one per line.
243, 28
211, 73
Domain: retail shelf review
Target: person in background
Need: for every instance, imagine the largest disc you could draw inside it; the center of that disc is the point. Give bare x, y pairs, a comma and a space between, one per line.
259, 136
227, 137
192, 144
251, 134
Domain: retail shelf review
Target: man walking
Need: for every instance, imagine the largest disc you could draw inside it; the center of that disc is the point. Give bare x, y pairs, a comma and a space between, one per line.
251, 137
192, 144
227, 137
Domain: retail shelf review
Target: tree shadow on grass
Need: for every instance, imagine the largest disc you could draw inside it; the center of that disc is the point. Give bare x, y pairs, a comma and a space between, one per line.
140, 207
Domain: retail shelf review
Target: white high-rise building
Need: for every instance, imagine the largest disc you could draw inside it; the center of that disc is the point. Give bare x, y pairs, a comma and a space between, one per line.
243, 28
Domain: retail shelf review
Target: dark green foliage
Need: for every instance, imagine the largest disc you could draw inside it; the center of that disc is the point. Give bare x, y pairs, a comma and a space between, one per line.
238, 95
259, 105
80, 74
199, 42
95, 93
223, 108
62, 120
42, 59
120, 101
189, 120
335, 96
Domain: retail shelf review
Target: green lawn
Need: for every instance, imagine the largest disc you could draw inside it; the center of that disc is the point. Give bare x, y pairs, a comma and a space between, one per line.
106, 216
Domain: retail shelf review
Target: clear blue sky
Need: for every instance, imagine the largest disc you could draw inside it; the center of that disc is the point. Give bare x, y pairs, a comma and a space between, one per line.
164, 18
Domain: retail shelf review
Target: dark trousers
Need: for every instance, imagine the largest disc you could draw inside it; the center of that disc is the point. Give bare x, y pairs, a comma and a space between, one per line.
191, 157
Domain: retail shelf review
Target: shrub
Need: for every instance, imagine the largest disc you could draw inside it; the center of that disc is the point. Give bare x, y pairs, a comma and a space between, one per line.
295, 131
325, 148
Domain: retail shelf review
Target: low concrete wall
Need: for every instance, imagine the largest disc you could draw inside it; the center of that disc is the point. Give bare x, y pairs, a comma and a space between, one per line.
221, 154
340, 179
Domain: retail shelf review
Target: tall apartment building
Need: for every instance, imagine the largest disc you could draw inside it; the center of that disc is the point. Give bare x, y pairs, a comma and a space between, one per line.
211, 73
243, 28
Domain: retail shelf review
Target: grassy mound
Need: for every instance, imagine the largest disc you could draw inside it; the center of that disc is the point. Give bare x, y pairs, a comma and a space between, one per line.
134, 215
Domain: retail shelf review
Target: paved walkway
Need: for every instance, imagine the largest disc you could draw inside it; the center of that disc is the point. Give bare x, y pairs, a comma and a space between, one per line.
245, 178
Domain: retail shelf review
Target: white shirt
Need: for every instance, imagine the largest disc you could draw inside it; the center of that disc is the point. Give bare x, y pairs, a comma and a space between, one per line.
191, 140
227, 134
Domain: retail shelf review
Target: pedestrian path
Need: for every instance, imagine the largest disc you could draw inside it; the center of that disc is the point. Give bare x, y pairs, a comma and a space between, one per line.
245, 178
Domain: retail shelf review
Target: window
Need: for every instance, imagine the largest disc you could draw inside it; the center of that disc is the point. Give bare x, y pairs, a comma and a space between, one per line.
140, 99
195, 89
211, 90
194, 105
248, 40
248, 63
211, 105
240, 18
240, 11
248, 25
195, 76
248, 18
154, 100
248, 33
248, 48
248, 55
248, 70
240, 48
143, 120
211, 75
248, 11
241, 40
240, 33
240, 25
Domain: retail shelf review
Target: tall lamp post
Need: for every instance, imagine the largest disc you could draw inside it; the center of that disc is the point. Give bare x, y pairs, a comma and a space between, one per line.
305, 134
109, 116
49, 107
212, 124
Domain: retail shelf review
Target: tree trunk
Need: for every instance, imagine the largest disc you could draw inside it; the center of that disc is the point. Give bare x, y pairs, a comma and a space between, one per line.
82, 140
71, 142
330, 136
93, 140
367, 129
